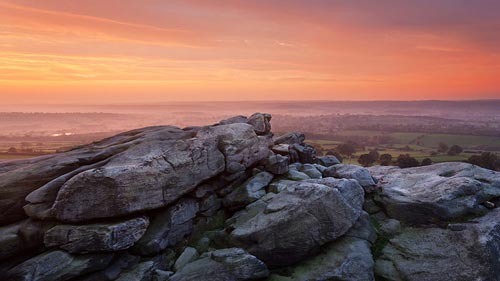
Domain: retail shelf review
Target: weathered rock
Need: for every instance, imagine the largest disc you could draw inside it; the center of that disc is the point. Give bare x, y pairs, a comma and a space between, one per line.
296, 221
249, 191
440, 254
306, 153
188, 255
276, 164
113, 270
437, 193
140, 272
225, 264
311, 171
278, 185
234, 120
260, 123
348, 171
239, 144
168, 227
58, 265
347, 259
328, 160
100, 237
210, 205
295, 175
162, 275
390, 227
281, 149
290, 138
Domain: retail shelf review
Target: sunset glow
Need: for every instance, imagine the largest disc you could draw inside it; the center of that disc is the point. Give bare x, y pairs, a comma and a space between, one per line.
152, 51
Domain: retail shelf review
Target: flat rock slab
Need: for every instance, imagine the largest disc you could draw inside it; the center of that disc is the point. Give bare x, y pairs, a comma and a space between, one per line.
225, 264
443, 254
436, 193
96, 237
58, 265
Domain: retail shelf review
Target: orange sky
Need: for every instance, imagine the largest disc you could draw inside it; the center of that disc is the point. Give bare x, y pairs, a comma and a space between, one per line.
94, 51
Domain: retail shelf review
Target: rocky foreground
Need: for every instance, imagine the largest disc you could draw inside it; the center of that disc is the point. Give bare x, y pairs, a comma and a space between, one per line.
233, 202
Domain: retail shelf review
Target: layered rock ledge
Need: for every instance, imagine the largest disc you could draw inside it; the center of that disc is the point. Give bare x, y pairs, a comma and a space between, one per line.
231, 201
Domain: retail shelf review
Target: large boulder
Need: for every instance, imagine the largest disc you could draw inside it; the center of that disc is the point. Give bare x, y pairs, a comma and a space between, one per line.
57, 265
220, 265
290, 138
328, 160
472, 253
288, 226
349, 258
260, 123
276, 164
437, 193
349, 171
99, 237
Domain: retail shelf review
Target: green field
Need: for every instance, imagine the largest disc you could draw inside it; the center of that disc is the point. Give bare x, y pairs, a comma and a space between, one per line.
421, 145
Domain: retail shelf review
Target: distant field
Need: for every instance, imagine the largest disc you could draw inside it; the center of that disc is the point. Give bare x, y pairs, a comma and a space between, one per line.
41, 148
421, 145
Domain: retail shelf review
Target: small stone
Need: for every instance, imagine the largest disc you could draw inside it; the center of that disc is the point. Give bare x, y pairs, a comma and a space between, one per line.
489, 205
188, 255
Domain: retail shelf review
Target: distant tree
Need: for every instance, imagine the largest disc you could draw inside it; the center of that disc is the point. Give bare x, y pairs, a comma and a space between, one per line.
486, 160
347, 149
336, 154
455, 150
385, 159
12, 150
442, 147
406, 161
374, 154
366, 159
426, 162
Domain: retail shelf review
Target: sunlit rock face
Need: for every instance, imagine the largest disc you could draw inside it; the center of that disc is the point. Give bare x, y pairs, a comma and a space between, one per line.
231, 201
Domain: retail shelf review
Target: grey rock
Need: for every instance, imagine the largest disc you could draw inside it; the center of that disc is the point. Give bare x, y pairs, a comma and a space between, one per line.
290, 138
328, 160
210, 205
249, 191
162, 275
168, 228
58, 265
239, 144
295, 175
99, 237
188, 255
276, 164
234, 120
311, 171
260, 123
346, 259
113, 270
298, 220
223, 265
306, 153
163, 164
390, 227
363, 229
440, 254
142, 271
348, 171
277, 185
439, 192
281, 149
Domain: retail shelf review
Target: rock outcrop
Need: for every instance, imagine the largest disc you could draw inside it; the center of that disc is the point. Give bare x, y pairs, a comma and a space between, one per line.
231, 201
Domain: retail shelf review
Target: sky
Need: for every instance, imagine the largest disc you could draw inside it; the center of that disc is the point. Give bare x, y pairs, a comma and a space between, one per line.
121, 51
